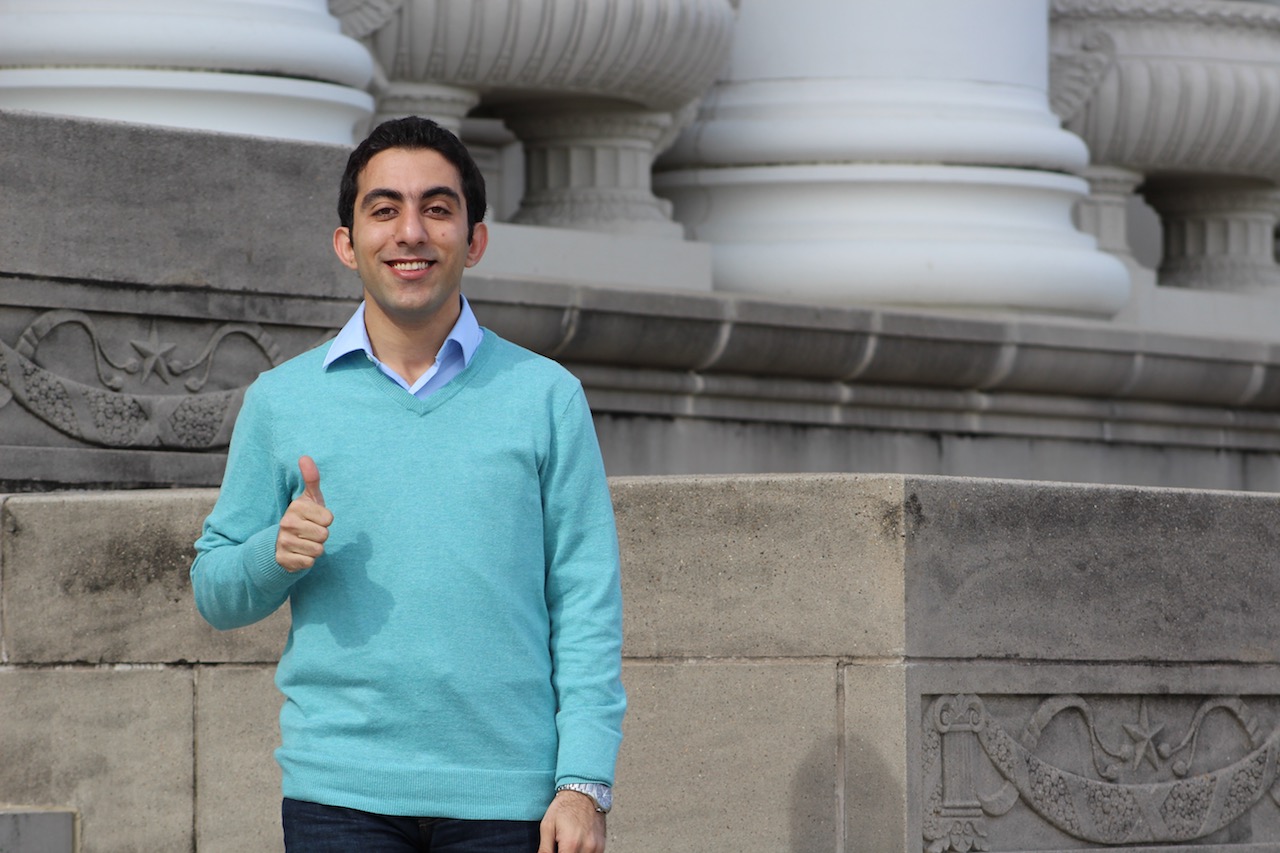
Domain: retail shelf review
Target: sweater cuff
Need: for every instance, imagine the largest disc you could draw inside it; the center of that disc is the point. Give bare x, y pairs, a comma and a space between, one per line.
588, 754
261, 566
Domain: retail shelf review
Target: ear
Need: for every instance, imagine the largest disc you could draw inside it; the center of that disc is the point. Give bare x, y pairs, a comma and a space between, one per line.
343, 247
479, 242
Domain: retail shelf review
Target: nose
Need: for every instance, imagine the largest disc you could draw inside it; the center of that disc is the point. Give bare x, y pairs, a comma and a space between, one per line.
410, 230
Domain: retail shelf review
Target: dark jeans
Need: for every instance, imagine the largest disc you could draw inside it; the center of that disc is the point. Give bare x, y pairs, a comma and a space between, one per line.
313, 828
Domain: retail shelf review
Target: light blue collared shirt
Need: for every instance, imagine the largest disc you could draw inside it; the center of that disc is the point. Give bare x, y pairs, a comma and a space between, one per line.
455, 353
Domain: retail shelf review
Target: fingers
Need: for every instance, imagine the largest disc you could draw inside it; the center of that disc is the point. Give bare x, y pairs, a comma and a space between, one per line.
572, 825
547, 835
304, 528
310, 479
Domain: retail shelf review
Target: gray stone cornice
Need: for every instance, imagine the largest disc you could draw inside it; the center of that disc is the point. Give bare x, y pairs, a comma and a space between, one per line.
767, 354
1208, 12
716, 336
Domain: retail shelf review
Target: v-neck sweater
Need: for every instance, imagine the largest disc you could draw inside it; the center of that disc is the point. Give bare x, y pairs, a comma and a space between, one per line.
456, 651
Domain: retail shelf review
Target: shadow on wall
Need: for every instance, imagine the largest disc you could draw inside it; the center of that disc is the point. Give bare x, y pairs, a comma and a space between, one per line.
873, 798
815, 806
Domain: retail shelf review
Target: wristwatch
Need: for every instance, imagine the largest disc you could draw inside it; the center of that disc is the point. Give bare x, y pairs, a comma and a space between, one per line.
601, 794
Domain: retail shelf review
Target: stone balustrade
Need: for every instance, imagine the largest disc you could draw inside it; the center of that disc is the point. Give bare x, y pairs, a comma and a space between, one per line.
882, 663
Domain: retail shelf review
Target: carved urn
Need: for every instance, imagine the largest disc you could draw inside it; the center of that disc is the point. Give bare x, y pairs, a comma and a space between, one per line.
589, 86
1184, 94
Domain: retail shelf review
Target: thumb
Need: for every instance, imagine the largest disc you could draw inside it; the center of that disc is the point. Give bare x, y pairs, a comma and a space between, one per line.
310, 479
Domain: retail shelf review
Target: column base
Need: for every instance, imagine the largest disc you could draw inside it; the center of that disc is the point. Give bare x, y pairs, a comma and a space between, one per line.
909, 235
248, 104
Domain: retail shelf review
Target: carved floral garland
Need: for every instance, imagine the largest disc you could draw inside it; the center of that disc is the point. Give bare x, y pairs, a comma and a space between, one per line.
1094, 810
111, 418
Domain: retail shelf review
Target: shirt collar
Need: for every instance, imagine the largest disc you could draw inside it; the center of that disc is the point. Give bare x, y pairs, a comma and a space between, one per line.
354, 337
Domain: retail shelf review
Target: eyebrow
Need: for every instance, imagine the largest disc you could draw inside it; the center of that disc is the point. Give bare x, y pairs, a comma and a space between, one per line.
381, 193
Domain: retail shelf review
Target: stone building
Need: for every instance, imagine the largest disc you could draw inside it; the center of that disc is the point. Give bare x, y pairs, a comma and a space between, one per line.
768, 236
1027, 239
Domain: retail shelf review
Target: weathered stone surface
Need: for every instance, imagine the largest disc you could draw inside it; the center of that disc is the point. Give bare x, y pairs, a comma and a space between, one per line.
726, 756
115, 566
170, 207
237, 779
113, 744
1047, 571
25, 830
877, 773
805, 655
761, 566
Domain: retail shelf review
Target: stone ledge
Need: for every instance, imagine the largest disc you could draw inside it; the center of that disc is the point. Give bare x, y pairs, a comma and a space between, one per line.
852, 566
717, 333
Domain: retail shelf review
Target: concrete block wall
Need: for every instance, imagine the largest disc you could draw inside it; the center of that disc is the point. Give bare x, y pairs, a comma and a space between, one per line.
814, 663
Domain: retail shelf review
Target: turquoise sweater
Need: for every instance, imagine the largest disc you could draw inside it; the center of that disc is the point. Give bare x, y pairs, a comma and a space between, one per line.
456, 652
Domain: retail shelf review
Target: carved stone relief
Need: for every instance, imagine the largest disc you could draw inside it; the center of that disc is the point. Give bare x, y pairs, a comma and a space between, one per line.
144, 393
1122, 770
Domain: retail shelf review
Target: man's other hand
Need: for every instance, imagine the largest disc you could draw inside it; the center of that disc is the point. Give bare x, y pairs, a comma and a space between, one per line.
572, 825
305, 525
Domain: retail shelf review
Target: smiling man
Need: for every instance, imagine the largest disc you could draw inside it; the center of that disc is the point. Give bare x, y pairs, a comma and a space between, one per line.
452, 672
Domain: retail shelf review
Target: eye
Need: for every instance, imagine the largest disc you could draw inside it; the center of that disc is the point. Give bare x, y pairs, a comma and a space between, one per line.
383, 212
438, 210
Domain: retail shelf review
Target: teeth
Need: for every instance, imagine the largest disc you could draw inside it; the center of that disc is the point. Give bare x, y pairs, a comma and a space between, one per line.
411, 265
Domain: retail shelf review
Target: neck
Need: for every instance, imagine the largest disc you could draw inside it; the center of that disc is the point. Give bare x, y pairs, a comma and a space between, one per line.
409, 347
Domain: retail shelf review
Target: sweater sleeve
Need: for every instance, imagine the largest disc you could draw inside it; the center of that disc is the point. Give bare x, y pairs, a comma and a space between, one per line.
584, 599
235, 577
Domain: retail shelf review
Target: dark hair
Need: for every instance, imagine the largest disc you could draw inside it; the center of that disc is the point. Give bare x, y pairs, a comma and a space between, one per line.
413, 132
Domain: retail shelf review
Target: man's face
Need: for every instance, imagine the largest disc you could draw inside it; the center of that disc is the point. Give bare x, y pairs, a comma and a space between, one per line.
408, 240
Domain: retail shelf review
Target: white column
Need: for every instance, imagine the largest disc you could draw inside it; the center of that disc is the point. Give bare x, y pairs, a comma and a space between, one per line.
278, 68
891, 151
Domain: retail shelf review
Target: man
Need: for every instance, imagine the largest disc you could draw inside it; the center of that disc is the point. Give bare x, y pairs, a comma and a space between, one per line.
454, 657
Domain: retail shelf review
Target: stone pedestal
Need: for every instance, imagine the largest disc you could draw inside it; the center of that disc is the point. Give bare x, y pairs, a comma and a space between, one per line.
845, 156
1104, 214
1218, 235
446, 105
277, 68
590, 169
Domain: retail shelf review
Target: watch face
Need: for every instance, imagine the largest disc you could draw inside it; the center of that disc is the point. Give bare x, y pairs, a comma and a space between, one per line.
604, 797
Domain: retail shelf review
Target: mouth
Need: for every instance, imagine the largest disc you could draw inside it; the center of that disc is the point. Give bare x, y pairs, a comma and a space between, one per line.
410, 266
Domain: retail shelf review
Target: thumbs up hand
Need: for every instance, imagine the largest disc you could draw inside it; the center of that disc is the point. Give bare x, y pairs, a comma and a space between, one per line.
305, 524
